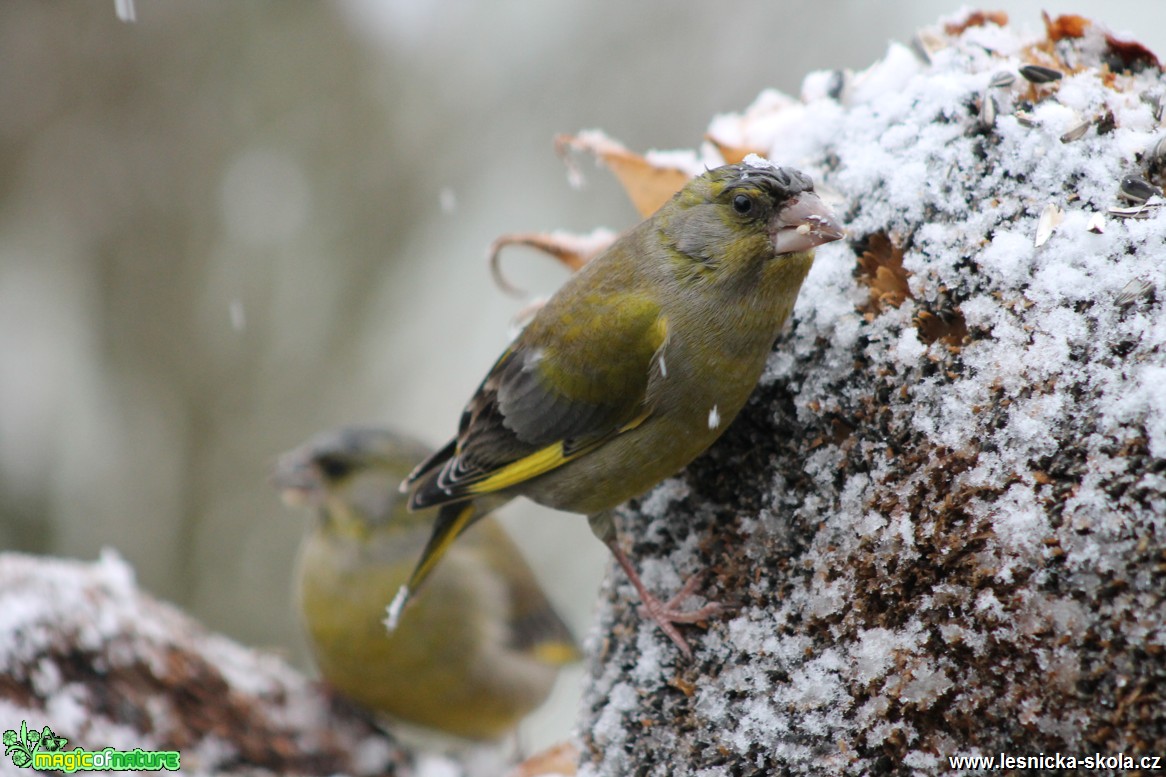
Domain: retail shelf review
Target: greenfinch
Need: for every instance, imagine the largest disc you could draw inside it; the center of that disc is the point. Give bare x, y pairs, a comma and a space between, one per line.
635, 366
480, 648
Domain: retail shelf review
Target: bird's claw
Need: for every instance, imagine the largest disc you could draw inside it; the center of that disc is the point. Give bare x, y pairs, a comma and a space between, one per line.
667, 614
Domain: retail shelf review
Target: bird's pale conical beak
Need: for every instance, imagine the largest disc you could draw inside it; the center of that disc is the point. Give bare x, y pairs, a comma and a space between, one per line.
298, 483
803, 223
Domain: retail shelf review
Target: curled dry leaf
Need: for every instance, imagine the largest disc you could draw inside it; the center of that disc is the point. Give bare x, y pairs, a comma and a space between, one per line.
569, 249
647, 185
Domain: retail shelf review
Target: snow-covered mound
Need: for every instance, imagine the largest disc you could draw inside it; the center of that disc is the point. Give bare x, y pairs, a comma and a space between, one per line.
941, 521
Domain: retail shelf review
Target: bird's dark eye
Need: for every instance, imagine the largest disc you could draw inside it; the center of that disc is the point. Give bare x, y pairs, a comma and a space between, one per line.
743, 204
333, 469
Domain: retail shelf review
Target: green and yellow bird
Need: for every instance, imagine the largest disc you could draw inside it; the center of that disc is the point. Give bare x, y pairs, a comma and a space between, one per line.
481, 646
635, 366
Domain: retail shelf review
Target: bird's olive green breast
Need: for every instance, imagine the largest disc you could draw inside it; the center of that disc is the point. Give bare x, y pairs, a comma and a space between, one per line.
716, 347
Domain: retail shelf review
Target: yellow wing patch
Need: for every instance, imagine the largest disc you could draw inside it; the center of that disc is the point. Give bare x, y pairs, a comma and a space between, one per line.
537, 463
556, 454
556, 653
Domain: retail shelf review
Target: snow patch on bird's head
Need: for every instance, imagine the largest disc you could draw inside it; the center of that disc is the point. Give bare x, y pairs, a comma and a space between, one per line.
758, 161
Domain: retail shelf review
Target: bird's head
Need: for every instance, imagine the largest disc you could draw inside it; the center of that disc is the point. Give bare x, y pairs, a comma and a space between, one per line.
350, 475
733, 220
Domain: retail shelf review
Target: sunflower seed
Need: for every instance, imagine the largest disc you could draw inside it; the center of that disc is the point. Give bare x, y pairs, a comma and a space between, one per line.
925, 43
987, 110
1158, 152
920, 50
1132, 291
1142, 211
1156, 103
1050, 217
1002, 79
1137, 189
1078, 132
1038, 74
837, 85
1096, 224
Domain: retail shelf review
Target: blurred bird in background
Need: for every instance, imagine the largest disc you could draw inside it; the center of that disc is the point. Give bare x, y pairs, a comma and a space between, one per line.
480, 648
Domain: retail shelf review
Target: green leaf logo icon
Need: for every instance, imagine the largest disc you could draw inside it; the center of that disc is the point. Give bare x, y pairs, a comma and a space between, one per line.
50, 742
22, 745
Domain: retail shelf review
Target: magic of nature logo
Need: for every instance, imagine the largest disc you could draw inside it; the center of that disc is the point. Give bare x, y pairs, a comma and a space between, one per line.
44, 750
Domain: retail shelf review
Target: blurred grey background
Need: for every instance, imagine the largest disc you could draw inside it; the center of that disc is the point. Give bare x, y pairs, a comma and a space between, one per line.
231, 225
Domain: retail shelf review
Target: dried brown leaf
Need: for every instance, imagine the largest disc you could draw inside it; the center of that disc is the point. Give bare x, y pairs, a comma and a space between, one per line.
733, 154
948, 326
880, 267
1130, 55
977, 19
1121, 54
569, 249
684, 686
647, 185
1065, 26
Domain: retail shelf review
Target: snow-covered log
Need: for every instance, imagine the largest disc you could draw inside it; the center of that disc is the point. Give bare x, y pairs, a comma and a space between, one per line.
102, 664
940, 522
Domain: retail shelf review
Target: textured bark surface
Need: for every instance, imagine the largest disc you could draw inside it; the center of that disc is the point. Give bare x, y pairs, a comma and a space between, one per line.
940, 520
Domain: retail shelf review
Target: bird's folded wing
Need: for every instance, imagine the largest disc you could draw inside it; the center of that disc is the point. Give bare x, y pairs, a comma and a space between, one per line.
571, 381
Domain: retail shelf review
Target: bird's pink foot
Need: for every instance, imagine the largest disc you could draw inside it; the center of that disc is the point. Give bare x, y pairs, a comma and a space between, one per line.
667, 614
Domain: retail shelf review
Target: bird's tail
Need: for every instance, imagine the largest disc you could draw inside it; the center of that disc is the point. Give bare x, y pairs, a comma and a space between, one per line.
452, 520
